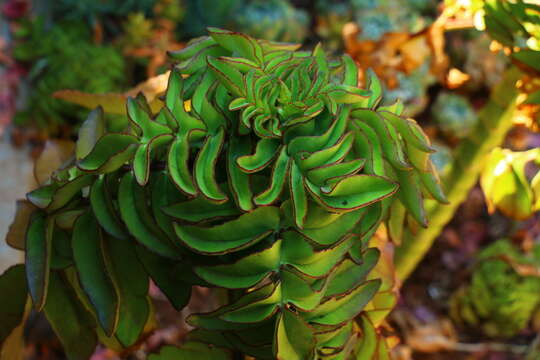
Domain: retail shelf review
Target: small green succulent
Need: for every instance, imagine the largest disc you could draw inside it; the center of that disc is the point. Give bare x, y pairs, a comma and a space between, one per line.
265, 174
272, 20
498, 300
63, 57
454, 114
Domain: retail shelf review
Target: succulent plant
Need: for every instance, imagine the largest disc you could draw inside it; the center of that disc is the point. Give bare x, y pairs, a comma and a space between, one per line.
264, 174
454, 114
499, 300
272, 20
377, 18
63, 57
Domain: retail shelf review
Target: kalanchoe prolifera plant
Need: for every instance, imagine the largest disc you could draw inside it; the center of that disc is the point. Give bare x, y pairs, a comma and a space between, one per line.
264, 174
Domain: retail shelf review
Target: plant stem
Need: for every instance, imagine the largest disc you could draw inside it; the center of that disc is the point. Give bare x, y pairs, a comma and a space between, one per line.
495, 120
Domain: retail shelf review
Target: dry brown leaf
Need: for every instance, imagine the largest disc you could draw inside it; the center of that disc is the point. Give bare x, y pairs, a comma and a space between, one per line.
53, 156
115, 103
16, 235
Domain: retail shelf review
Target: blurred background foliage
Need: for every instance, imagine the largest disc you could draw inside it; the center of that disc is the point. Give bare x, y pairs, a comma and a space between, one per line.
467, 70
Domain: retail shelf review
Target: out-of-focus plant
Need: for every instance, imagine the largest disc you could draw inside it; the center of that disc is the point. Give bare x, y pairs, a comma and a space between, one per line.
377, 18
272, 20
515, 29
454, 115
63, 57
507, 185
411, 89
407, 59
149, 39
265, 174
200, 17
442, 158
95, 10
331, 17
503, 293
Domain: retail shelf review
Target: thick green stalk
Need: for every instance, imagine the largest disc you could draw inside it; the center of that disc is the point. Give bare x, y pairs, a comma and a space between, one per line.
495, 119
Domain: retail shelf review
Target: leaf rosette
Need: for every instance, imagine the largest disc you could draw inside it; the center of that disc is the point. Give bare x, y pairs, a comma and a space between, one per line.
265, 172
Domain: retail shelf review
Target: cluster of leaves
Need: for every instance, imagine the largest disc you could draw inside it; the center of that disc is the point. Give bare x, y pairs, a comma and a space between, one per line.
499, 300
515, 25
507, 185
63, 57
270, 184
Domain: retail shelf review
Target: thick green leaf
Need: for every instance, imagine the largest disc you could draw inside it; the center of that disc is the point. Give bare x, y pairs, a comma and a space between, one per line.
328, 155
93, 266
266, 151
245, 272
138, 220
301, 254
239, 181
231, 236
132, 282
229, 76
239, 43
354, 192
389, 138
177, 165
141, 119
205, 167
169, 282
337, 310
294, 339
110, 153
298, 195
410, 195
13, 286
143, 157
61, 195
71, 322
91, 130
104, 210
335, 231
200, 209
260, 294
38, 258
279, 175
